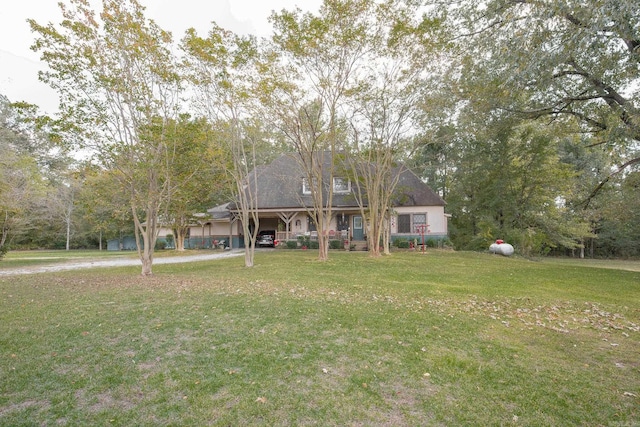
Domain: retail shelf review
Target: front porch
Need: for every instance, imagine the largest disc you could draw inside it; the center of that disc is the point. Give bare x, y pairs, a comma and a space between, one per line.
284, 236
345, 226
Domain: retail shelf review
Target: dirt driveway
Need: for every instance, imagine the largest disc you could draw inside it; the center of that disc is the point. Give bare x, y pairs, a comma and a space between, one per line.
77, 265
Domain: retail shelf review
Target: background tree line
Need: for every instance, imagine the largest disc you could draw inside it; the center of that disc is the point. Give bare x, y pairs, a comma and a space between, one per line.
523, 115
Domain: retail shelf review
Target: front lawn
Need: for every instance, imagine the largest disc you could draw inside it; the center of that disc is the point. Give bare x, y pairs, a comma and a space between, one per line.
440, 338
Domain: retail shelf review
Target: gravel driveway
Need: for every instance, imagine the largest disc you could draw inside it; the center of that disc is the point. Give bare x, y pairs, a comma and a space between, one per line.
76, 265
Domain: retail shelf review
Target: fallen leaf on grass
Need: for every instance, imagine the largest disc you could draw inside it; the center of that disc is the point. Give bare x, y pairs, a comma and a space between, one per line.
261, 400
629, 394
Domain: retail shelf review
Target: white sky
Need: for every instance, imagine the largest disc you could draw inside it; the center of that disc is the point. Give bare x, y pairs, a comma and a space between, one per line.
19, 65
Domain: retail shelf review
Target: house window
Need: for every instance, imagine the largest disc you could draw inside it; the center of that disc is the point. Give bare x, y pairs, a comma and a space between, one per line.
419, 219
305, 186
341, 185
311, 224
404, 223
408, 223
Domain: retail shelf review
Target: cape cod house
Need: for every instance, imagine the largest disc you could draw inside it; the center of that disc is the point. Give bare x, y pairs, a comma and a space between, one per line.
284, 205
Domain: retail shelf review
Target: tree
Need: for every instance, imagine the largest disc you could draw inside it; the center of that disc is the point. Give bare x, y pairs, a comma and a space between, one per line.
23, 155
20, 186
618, 225
61, 205
197, 174
612, 215
510, 183
575, 60
103, 204
385, 109
116, 78
319, 58
222, 68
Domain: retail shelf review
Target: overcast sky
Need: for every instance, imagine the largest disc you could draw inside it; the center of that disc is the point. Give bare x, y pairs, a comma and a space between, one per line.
19, 65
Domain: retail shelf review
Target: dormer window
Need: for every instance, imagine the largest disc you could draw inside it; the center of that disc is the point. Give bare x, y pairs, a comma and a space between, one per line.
306, 189
341, 185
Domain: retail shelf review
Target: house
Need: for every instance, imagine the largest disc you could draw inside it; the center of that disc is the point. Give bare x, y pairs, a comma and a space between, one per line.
211, 230
284, 206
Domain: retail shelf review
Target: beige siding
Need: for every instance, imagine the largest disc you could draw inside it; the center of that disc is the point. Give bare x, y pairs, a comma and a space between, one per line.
436, 218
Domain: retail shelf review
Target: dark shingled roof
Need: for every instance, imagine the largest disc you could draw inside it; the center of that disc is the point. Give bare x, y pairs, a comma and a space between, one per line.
412, 191
279, 186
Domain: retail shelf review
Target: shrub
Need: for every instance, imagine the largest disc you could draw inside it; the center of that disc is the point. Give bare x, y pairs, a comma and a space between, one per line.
336, 244
402, 243
291, 244
304, 241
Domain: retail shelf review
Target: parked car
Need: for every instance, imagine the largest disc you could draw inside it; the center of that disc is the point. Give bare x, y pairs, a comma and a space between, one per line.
266, 238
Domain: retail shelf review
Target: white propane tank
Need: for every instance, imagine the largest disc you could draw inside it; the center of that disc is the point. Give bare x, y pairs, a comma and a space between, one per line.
505, 249
501, 248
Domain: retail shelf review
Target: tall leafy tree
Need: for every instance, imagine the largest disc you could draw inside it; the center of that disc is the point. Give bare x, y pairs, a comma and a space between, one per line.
103, 206
570, 60
24, 159
61, 205
116, 79
510, 183
618, 223
385, 108
320, 60
222, 68
612, 214
197, 174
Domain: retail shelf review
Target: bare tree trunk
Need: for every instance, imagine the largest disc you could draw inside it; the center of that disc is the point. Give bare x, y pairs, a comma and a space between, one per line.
149, 234
323, 241
147, 251
4, 231
180, 236
147, 262
250, 236
386, 235
68, 221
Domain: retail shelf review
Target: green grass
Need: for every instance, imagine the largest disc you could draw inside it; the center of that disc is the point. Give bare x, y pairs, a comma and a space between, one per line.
440, 338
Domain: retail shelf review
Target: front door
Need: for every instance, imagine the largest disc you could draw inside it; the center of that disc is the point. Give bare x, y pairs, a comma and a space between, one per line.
358, 230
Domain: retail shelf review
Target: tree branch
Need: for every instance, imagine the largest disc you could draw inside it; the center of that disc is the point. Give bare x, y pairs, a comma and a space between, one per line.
604, 182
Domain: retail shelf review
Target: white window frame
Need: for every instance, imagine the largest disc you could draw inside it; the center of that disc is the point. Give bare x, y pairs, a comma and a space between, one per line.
337, 180
305, 186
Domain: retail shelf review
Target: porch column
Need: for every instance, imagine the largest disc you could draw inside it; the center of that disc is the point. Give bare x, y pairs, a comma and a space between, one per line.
287, 217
